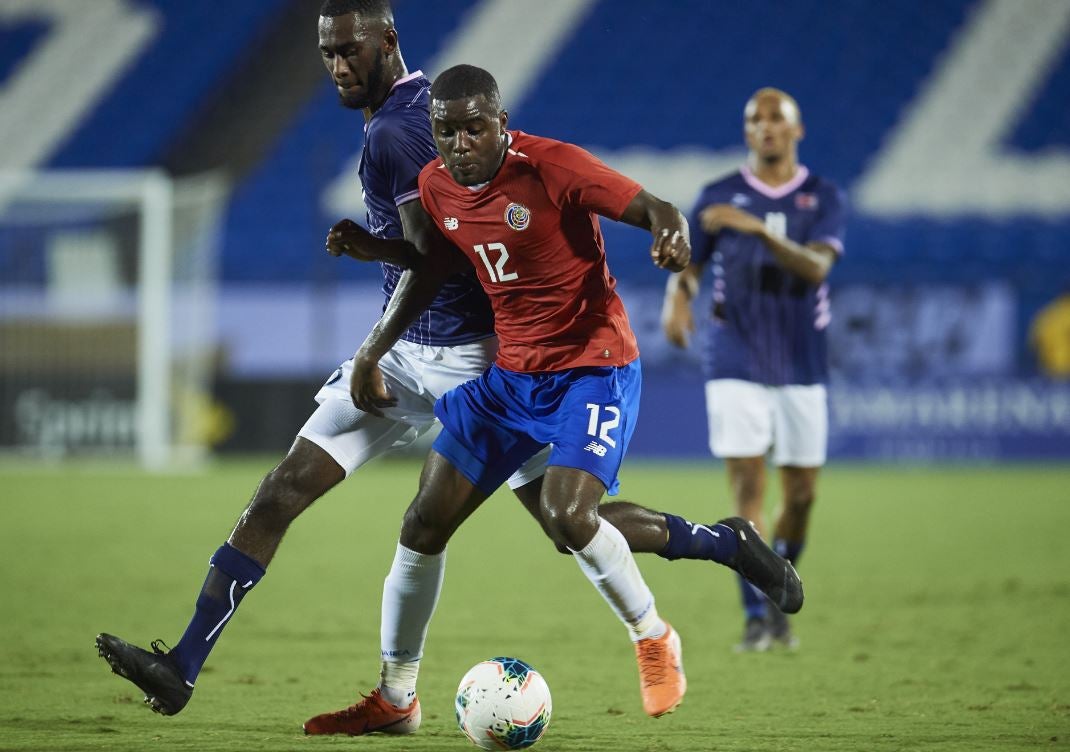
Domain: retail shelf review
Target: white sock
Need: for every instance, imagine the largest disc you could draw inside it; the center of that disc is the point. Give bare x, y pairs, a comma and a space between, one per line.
397, 682
610, 566
410, 595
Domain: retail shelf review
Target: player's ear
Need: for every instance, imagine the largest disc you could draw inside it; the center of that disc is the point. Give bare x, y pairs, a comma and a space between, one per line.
503, 121
800, 132
390, 40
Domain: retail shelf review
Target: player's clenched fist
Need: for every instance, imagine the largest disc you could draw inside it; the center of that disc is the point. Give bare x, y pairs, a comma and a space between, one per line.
671, 250
367, 388
346, 238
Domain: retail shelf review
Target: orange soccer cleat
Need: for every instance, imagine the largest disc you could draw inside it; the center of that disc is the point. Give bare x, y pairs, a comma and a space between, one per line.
661, 672
371, 715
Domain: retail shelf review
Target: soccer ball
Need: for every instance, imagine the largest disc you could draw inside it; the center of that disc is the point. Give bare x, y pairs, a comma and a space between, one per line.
503, 703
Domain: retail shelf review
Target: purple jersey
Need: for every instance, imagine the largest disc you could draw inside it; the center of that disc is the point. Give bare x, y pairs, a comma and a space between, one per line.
397, 144
768, 324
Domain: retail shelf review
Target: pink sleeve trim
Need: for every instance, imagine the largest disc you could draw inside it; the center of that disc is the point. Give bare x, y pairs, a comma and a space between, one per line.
405, 198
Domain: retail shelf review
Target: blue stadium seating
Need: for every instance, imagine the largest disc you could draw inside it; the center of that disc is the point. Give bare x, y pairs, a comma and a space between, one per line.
853, 70
178, 71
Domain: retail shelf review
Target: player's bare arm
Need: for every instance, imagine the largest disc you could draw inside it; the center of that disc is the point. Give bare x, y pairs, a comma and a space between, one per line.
435, 260
347, 238
811, 261
677, 319
719, 217
671, 248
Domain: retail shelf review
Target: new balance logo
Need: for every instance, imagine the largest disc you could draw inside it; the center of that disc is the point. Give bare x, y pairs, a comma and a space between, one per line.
597, 448
451, 223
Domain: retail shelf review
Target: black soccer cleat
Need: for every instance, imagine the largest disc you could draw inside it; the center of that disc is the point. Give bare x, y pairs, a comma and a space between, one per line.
156, 673
760, 565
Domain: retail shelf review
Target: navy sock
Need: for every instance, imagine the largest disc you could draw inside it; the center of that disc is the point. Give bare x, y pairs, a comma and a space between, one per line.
231, 576
753, 599
790, 550
689, 541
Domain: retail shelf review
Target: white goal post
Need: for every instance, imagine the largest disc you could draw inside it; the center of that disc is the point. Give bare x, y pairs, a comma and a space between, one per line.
107, 297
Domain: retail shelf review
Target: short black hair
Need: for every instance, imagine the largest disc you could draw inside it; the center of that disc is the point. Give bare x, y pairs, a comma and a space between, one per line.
462, 81
335, 8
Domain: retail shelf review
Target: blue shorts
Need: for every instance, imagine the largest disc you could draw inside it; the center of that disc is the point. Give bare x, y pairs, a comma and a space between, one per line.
492, 424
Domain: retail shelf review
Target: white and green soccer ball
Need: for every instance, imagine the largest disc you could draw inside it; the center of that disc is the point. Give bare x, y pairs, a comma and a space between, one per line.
503, 703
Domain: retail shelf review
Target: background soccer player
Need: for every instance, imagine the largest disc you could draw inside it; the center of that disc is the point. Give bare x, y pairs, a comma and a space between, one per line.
772, 231
452, 340
522, 210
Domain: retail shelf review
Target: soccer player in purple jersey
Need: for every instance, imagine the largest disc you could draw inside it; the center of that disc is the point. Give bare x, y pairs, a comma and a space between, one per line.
772, 232
451, 341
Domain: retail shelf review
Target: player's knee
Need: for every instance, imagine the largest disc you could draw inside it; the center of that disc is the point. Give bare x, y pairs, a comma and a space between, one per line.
554, 522
799, 503
422, 529
748, 489
567, 528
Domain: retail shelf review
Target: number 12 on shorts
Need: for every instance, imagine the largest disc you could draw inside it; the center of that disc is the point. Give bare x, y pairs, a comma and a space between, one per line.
601, 421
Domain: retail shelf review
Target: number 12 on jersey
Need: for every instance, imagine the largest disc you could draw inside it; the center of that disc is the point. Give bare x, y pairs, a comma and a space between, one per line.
497, 269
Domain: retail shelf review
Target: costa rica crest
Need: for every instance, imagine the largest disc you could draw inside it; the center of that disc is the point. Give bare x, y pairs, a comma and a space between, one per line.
517, 216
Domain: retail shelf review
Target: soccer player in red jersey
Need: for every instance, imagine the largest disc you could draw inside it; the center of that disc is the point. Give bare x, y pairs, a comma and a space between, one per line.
523, 211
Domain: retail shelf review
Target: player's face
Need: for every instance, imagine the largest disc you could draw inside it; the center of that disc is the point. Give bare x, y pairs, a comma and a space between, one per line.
771, 126
470, 135
352, 50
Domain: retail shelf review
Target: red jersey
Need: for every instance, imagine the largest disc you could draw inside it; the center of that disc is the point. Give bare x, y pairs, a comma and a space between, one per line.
532, 235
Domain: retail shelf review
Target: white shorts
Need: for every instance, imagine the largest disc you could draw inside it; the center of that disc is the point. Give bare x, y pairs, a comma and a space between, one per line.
746, 419
416, 375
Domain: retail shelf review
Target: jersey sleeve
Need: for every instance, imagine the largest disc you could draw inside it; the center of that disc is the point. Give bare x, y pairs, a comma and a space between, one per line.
398, 152
701, 242
423, 178
832, 215
427, 200
577, 177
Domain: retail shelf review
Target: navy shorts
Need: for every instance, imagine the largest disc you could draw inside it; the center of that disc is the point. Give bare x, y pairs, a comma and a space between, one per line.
492, 424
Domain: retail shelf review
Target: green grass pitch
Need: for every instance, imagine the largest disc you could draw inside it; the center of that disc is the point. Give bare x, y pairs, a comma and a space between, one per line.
937, 615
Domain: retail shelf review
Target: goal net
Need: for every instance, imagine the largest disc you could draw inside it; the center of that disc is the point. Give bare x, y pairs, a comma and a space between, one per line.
107, 320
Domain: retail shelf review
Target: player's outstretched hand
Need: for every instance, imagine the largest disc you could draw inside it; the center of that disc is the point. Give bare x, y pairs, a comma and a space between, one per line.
727, 217
346, 238
366, 387
670, 250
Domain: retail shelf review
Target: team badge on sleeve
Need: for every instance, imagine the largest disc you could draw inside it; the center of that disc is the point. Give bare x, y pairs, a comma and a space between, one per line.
517, 216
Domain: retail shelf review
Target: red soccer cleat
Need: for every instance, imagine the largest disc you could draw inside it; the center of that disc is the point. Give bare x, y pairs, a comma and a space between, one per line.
661, 672
371, 715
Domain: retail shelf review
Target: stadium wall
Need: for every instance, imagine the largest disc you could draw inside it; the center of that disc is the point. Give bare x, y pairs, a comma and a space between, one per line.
946, 122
